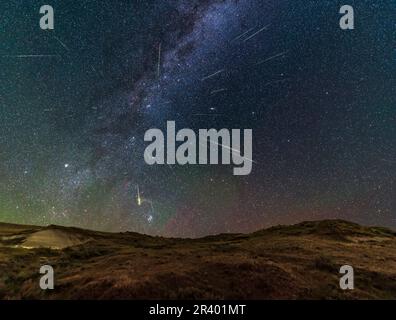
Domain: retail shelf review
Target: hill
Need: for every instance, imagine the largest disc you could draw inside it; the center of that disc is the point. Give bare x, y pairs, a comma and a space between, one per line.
285, 262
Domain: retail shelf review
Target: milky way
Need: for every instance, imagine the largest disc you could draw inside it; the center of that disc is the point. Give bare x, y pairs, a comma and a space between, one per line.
320, 101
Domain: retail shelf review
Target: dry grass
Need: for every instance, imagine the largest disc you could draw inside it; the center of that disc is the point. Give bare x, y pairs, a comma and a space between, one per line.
287, 262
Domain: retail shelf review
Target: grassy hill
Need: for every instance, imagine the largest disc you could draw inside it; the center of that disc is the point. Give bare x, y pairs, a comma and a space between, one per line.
285, 262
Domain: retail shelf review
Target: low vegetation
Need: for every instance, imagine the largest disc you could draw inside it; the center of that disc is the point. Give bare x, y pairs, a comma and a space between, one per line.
285, 262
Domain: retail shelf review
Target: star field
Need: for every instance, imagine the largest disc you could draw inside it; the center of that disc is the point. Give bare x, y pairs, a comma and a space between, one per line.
320, 100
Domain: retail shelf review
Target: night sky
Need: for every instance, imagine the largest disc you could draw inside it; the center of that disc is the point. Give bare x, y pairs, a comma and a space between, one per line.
321, 102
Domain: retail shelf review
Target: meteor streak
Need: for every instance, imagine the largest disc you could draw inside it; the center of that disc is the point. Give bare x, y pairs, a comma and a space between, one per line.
256, 33
31, 56
61, 43
212, 75
229, 148
273, 57
242, 35
159, 61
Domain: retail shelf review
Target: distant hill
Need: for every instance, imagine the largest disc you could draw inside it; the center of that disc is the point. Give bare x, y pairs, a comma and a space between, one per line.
284, 262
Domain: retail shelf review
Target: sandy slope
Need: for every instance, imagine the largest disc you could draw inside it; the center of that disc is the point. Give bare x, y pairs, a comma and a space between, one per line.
36, 237
53, 239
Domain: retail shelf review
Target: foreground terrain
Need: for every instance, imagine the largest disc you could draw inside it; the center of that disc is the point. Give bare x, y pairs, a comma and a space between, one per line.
285, 262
